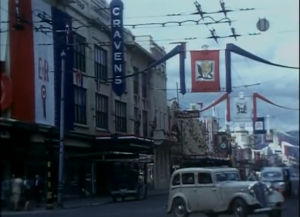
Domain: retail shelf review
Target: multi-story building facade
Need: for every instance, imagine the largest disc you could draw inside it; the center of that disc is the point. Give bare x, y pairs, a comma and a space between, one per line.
102, 122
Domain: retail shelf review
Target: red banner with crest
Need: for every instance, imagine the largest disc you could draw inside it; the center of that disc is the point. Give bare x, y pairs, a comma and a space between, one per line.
205, 71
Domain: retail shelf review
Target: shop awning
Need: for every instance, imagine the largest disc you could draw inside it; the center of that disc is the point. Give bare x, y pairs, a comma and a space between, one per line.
124, 143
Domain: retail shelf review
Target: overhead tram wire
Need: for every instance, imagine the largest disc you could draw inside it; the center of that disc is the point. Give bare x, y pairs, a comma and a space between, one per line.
30, 23
108, 80
128, 76
230, 10
41, 29
133, 75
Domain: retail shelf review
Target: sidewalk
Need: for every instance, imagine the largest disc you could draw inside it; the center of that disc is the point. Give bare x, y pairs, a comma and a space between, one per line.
81, 203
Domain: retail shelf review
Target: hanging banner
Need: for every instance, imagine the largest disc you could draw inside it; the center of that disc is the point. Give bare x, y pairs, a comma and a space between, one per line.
269, 136
205, 71
259, 126
242, 108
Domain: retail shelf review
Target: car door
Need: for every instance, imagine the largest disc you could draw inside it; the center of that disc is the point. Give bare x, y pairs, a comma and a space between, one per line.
207, 192
189, 189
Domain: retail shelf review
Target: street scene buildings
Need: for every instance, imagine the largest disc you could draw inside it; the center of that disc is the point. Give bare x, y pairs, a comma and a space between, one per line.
101, 129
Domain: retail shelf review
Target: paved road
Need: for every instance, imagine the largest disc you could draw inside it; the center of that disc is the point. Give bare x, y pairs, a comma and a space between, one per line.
153, 207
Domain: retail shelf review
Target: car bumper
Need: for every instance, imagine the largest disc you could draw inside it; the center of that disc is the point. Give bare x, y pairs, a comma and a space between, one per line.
268, 209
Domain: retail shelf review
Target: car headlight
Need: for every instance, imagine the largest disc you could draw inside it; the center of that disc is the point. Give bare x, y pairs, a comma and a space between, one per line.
267, 187
250, 188
279, 185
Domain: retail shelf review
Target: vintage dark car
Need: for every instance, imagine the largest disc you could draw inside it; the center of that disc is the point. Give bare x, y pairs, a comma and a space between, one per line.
278, 178
129, 182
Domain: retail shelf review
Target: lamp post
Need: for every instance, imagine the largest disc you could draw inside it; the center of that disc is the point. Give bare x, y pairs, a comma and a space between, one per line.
61, 134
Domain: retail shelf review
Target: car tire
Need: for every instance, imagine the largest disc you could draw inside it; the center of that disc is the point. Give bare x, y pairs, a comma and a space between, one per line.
145, 193
240, 208
275, 213
179, 208
290, 190
212, 215
114, 199
138, 194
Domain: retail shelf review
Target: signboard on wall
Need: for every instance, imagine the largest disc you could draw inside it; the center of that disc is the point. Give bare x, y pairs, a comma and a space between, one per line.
98, 11
259, 126
94, 9
187, 114
4, 26
43, 69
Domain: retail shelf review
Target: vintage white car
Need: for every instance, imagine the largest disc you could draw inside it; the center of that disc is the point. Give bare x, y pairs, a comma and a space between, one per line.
216, 191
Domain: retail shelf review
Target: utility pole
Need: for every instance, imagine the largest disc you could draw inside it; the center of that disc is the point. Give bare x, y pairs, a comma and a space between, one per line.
177, 92
61, 133
181, 124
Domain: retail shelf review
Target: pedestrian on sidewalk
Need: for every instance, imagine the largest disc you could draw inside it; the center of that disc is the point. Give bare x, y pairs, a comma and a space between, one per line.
10, 186
27, 194
38, 190
16, 192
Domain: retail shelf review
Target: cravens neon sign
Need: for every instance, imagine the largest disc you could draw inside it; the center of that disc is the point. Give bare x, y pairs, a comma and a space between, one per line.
118, 68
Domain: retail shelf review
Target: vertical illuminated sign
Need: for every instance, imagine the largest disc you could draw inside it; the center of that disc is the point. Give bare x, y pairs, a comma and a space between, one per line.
117, 37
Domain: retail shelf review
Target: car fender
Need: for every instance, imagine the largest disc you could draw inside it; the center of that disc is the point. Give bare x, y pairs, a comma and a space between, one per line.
250, 200
178, 195
276, 197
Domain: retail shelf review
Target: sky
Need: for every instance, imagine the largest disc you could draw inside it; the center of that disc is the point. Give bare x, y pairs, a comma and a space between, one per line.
280, 44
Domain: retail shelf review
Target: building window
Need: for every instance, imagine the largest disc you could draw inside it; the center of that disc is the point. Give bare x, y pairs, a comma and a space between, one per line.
136, 81
79, 52
101, 70
120, 116
101, 111
80, 105
137, 121
145, 124
144, 85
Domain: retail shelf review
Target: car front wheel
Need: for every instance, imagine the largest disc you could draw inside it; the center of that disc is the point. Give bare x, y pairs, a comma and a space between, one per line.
179, 208
212, 215
275, 213
240, 208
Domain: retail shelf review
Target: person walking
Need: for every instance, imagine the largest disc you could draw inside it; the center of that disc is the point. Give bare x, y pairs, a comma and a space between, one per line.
10, 185
27, 194
16, 192
38, 190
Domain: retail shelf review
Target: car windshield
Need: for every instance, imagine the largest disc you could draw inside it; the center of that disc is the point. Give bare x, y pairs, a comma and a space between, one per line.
227, 176
274, 175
